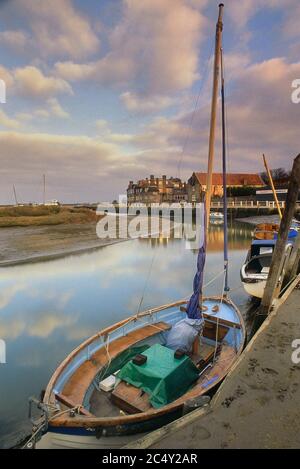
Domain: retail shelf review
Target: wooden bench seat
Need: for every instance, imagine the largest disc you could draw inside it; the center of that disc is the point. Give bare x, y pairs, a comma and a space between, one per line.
211, 329
130, 399
77, 385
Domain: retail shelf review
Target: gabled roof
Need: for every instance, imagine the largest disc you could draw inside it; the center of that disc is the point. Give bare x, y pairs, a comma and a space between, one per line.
233, 179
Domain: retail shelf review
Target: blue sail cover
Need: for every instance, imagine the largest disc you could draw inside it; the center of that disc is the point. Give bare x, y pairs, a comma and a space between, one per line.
193, 310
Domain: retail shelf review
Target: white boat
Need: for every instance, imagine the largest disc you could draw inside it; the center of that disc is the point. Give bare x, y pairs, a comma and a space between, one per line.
216, 216
255, 270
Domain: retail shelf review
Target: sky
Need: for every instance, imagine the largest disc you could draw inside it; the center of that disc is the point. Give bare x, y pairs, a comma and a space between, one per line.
100, 92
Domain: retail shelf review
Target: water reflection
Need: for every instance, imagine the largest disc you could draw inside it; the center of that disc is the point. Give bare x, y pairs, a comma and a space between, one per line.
47, 308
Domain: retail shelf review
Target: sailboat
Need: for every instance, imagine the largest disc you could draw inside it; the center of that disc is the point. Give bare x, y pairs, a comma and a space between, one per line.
132, 377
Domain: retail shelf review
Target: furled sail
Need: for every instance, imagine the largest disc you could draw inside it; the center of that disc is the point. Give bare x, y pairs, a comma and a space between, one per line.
193, 307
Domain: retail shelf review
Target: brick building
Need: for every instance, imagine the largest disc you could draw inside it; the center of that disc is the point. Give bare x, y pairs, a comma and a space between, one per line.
157, 190
196, 185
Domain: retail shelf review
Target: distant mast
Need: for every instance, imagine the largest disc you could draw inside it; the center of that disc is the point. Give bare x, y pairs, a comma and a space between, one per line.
44, 189
211, 147
15, 194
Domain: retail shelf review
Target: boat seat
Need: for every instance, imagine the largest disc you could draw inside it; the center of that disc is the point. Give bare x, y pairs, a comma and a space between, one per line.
130, 399
202, 352
78, 384
72, 405
210, 330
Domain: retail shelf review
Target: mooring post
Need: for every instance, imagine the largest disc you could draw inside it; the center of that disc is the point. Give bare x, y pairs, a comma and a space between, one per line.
278, 257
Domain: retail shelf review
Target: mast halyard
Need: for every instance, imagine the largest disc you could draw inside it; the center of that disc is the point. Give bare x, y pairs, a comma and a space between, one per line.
226, 286
211, 147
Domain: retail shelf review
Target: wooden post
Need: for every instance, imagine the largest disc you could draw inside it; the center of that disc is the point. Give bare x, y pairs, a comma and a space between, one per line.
213, 116
279, 251
272, 186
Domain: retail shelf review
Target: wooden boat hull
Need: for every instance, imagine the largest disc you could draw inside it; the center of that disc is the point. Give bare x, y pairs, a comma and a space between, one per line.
268, 231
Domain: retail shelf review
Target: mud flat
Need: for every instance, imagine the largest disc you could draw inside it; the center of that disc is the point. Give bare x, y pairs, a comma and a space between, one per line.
29, 244
260, 219
19, 245
258, 405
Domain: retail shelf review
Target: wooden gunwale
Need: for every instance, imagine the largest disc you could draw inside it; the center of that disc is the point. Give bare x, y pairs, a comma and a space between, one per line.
92, 422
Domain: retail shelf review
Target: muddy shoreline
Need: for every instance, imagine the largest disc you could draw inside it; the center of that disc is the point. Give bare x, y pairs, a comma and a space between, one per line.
260, 219
19, 245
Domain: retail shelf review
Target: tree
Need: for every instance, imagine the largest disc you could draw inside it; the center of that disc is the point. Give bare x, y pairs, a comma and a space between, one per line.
278, 174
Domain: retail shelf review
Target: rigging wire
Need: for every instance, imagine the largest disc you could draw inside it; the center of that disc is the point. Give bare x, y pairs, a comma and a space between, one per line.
146, 282
186, 140
227, 137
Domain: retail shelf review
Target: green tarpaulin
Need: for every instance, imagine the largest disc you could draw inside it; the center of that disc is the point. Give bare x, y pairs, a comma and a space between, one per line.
163, 377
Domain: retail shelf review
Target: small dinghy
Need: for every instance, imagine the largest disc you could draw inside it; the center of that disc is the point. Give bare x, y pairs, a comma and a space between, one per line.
88, 406
269, 231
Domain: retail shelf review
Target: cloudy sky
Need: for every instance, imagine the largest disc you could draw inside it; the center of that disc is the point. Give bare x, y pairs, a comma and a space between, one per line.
103, 91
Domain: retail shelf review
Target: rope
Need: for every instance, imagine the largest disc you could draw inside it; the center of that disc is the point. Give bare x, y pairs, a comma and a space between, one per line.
32, 437
42, 424
217, 328
146, 284
214, 278
67, 411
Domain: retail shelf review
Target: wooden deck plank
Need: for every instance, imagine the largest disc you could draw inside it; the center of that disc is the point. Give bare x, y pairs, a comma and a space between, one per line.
130, 399
77, 385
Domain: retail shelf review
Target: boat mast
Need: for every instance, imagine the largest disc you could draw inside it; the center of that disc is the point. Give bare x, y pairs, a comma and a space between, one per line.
15, 194
226, 287
218, 43
272, 186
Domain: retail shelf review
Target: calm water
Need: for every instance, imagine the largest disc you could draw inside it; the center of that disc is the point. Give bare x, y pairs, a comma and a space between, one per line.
48, 308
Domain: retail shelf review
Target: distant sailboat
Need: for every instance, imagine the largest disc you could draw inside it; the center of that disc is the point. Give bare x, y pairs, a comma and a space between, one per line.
131, 377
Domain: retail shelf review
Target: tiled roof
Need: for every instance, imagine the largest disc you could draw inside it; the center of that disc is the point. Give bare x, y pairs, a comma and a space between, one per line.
238, 179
